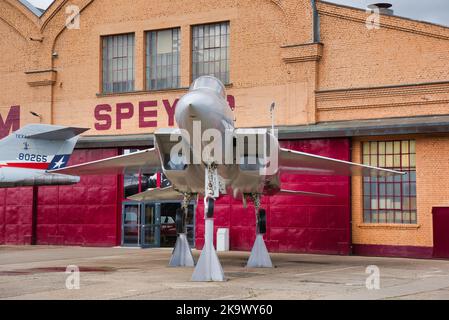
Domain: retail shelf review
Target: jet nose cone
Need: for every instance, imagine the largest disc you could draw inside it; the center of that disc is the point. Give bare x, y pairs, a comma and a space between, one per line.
193, 111
191, 106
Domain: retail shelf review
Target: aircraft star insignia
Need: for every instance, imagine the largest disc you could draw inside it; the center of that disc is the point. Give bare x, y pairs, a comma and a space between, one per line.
59, 164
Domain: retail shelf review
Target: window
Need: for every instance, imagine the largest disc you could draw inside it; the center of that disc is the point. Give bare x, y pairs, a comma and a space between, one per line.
162, 54
211, 51
391, 199
118, 63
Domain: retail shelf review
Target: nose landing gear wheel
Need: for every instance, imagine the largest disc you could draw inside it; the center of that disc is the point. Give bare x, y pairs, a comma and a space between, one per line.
209, 267
210, 208
262, 222
180, 221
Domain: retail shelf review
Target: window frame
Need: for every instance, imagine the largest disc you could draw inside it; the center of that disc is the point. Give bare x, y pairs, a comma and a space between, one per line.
102, 64
194, 76
391, 188
147, 57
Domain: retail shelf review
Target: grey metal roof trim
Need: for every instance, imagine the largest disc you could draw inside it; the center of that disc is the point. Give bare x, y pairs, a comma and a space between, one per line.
372, 127
336, 129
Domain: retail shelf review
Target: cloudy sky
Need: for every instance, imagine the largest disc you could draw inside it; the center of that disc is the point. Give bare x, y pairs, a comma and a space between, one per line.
41, 3
436, 11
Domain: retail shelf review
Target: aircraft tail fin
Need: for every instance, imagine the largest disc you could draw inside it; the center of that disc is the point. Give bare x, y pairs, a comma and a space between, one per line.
63, 133
39, 146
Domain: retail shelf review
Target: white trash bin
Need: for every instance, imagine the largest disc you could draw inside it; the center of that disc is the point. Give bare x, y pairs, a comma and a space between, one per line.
223, 240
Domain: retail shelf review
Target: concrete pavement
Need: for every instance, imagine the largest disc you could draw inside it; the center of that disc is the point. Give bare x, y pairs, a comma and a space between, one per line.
120, 273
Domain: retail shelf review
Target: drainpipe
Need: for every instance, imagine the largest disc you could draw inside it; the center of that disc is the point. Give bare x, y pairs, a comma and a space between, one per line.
315, 23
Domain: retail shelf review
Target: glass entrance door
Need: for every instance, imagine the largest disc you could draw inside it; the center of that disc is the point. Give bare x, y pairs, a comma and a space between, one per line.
151, 226
131, 225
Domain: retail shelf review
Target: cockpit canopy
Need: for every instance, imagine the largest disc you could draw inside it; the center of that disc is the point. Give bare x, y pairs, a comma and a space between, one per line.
211, 83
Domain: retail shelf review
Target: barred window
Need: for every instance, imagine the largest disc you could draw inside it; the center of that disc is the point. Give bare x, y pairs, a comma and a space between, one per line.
390, 199
118, 63
162, 54
211, 51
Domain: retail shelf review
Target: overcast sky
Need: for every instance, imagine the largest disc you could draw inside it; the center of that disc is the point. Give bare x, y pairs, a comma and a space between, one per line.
436, 11
43, 4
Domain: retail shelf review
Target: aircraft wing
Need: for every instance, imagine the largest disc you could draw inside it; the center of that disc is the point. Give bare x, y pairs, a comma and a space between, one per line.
168, 194
302, 193
310, 164
146, 160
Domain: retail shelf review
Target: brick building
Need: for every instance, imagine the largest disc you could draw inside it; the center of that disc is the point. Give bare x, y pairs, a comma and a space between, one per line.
376, 94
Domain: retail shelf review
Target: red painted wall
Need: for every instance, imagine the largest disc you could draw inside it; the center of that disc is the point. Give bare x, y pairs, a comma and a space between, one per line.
84, 214
295, 223
89, 213
440, 230
16, 207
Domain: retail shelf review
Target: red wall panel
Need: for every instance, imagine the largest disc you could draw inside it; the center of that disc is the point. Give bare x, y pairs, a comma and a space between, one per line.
294, 223
84, 214
88, 213
2, 215
440, 232
16, 207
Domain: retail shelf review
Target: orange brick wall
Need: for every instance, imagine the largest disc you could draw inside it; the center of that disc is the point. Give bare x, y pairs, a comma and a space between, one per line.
432, 154
272, 58
403, 57
396, 53
258, 73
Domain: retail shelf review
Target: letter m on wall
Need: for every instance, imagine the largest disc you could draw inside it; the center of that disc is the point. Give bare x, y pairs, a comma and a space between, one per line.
9, 122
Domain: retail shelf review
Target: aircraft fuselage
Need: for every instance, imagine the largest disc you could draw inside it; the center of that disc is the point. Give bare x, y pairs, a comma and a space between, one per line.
204, 108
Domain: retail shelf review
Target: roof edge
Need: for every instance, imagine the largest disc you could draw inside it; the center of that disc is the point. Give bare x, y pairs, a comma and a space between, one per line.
392, 16
36, 11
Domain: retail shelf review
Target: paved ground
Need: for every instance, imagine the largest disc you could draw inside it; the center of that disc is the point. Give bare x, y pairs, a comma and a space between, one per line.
118, 273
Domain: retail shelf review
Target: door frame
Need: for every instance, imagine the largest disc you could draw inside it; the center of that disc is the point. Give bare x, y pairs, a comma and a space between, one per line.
157, 225
138, 225
141, 208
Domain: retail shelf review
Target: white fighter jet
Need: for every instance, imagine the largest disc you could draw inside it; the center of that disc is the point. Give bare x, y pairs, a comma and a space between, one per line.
28, 154
208, 156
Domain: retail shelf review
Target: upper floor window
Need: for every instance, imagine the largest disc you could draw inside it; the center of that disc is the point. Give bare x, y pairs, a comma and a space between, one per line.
162, 56
391, 199
210, 54
118, 63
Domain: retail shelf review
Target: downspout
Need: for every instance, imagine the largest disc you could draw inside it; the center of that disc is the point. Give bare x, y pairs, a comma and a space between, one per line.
315, 23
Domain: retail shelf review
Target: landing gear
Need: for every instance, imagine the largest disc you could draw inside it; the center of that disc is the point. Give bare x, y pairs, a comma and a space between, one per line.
208, 267
259, 258
210, 208
182, 254
262, 222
